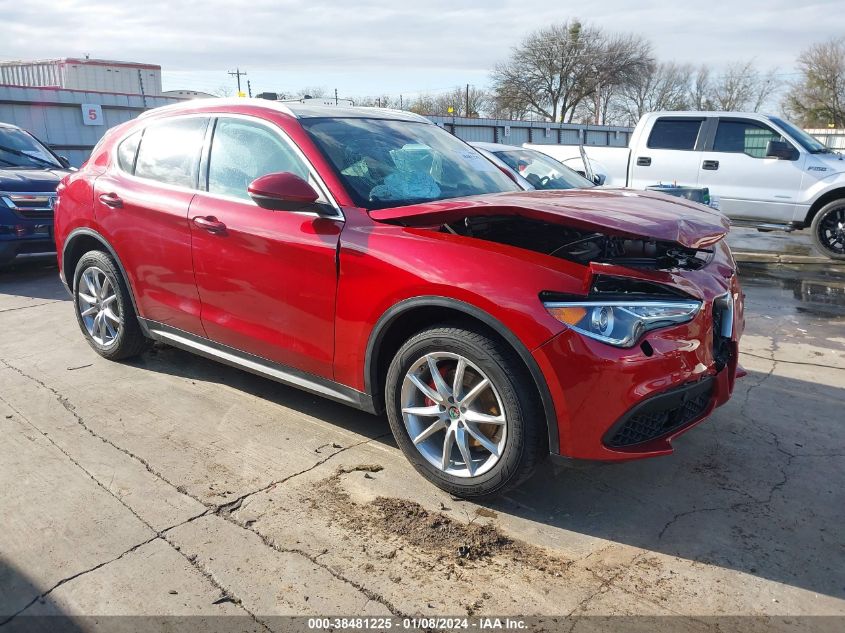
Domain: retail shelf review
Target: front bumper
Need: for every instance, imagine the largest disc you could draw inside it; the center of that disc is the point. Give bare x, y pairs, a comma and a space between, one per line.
25, 231
616, 404
11, 248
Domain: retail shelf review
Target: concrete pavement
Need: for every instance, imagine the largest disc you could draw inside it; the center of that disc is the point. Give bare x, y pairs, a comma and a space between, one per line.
175, 485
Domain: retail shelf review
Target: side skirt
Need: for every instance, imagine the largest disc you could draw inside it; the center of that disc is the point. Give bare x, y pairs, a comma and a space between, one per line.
257, 365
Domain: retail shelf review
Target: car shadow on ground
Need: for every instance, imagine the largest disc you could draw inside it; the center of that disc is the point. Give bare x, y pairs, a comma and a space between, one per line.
20, 593
27, 277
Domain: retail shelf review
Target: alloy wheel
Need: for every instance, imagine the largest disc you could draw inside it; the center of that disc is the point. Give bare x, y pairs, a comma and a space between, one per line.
98, 306
831, 230
453, 414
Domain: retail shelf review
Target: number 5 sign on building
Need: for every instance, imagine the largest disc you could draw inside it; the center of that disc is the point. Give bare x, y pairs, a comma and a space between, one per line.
92, 114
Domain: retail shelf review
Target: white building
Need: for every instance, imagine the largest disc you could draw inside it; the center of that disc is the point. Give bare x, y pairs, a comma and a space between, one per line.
90, 75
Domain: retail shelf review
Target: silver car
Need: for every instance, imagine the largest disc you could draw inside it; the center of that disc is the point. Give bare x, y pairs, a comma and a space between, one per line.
532, 169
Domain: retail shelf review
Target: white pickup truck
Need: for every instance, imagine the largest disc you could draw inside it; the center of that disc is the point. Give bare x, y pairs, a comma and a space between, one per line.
761, 171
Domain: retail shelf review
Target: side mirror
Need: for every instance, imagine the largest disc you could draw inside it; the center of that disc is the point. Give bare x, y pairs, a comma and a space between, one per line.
64, 162
780, 150
283, 191
599, 179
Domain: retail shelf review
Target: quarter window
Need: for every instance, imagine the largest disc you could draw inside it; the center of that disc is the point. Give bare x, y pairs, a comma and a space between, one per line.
674, 134
744, 137
242, 151
126, 152
170, 151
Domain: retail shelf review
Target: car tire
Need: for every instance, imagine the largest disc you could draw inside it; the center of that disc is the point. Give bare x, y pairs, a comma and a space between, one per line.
828, 229
520, 442
104, 308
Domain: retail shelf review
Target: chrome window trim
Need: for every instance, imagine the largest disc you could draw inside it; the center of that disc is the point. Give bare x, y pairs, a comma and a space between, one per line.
201, 187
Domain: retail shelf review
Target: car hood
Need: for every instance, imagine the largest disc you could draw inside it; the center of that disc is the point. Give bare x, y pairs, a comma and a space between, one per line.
31, 180
622, 212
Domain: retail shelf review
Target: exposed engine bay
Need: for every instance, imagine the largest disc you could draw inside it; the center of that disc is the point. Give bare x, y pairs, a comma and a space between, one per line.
579, 246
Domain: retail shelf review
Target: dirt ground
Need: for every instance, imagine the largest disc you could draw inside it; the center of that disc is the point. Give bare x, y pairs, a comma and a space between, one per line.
172, 485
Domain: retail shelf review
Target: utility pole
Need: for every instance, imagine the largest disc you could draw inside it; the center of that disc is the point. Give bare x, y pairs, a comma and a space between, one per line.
237, 74
401, 105
467, 112
249, 88
335, 96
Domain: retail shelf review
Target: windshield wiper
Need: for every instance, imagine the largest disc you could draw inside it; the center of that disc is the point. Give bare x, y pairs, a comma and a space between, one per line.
17, 152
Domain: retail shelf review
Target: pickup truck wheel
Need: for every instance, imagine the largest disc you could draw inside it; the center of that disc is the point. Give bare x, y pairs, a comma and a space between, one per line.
828, 229
104, 308
465, 412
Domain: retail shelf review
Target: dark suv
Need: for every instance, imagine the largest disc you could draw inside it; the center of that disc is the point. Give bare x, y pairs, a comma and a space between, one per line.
29, 174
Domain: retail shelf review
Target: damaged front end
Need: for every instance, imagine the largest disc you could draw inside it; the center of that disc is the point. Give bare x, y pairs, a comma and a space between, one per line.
617, 227
579, 246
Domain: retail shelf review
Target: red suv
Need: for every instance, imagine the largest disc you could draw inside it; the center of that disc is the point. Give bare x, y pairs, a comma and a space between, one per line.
371, 257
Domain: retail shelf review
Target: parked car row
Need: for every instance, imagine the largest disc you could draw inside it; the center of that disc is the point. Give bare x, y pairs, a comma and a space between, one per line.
371, 257
761, 170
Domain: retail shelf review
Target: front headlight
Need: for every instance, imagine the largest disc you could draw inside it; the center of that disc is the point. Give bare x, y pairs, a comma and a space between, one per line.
621, 323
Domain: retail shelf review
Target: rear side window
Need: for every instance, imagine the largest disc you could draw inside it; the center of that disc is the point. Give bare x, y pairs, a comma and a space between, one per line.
126, 152
744, 137
674, 134
170, 151
242, 151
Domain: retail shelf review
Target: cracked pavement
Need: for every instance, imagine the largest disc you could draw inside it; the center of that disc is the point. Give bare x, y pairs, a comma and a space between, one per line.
174, 485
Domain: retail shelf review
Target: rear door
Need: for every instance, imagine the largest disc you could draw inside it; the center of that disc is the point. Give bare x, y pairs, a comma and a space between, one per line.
670, 154
745, 183
268, 280
141, 204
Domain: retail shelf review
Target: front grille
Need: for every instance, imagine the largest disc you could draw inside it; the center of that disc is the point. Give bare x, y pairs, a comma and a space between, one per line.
661, 415
33, 206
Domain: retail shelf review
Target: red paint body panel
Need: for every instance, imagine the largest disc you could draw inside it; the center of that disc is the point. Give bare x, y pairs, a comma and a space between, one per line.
151, 235
267, 284
308, 292
613, 211
593, 385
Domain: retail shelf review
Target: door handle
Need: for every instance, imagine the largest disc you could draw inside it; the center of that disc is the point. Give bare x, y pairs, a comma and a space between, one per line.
210, 224
111, 200
643, 161
712, 165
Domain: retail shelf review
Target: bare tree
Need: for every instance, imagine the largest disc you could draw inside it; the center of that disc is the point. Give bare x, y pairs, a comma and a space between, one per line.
507, 104
223, 91
315, 92
423, 104
556, 68
664, 86
454, 102
743, 87
378, 101
818, 98
700, 90
460, 97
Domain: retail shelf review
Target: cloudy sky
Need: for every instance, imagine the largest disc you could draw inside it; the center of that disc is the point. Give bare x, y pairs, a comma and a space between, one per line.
366, 47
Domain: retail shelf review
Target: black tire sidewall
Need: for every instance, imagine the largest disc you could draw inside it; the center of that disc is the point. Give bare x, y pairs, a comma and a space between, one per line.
105, 263
505, 376
814, 228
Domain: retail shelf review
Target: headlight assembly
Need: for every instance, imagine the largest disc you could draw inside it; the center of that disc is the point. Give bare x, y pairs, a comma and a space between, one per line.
621, 323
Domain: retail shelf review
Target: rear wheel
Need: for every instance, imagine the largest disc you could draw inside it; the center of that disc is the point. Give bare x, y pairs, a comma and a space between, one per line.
104, 308
828, 229
465, 412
